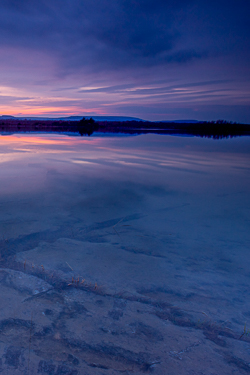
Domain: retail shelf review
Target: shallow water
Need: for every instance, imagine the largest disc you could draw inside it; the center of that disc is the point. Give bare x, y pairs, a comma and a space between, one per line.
124, 255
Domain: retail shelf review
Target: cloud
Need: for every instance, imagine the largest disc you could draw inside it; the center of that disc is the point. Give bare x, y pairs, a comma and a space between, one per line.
102, 35
123, 53
97, 36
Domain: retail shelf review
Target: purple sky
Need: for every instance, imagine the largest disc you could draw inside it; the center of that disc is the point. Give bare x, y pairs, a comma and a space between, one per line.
153, 59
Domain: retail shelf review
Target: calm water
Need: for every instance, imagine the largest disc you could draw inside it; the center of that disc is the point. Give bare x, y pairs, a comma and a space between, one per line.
124, 255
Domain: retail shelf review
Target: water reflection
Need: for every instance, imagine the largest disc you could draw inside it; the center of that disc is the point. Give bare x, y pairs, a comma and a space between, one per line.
109, 244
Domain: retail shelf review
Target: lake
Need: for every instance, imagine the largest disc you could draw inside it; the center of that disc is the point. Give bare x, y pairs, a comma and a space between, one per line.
124, 254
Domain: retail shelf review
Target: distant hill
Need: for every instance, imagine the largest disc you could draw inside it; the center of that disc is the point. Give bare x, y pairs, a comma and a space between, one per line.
102, 118
6, 117
96, 118
74, 118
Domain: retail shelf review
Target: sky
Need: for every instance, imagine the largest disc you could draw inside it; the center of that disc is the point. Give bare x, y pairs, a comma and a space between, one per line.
151, 59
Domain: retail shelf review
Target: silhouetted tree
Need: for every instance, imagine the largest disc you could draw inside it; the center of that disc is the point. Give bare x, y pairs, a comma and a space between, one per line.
87, 126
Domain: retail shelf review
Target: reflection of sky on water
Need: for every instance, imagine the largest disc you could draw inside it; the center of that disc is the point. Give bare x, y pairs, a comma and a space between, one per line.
113, 177
121, 158
159, 217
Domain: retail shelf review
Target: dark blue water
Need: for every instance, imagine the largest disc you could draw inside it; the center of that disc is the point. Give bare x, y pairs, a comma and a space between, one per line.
124, 255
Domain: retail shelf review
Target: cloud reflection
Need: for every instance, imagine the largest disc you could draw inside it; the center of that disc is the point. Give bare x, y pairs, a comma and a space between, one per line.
144, 158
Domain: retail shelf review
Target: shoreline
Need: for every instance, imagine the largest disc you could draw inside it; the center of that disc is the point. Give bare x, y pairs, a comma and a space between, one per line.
216, 130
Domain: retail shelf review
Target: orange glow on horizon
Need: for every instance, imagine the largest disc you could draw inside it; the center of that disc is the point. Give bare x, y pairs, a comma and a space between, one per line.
49, 111
38, 140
